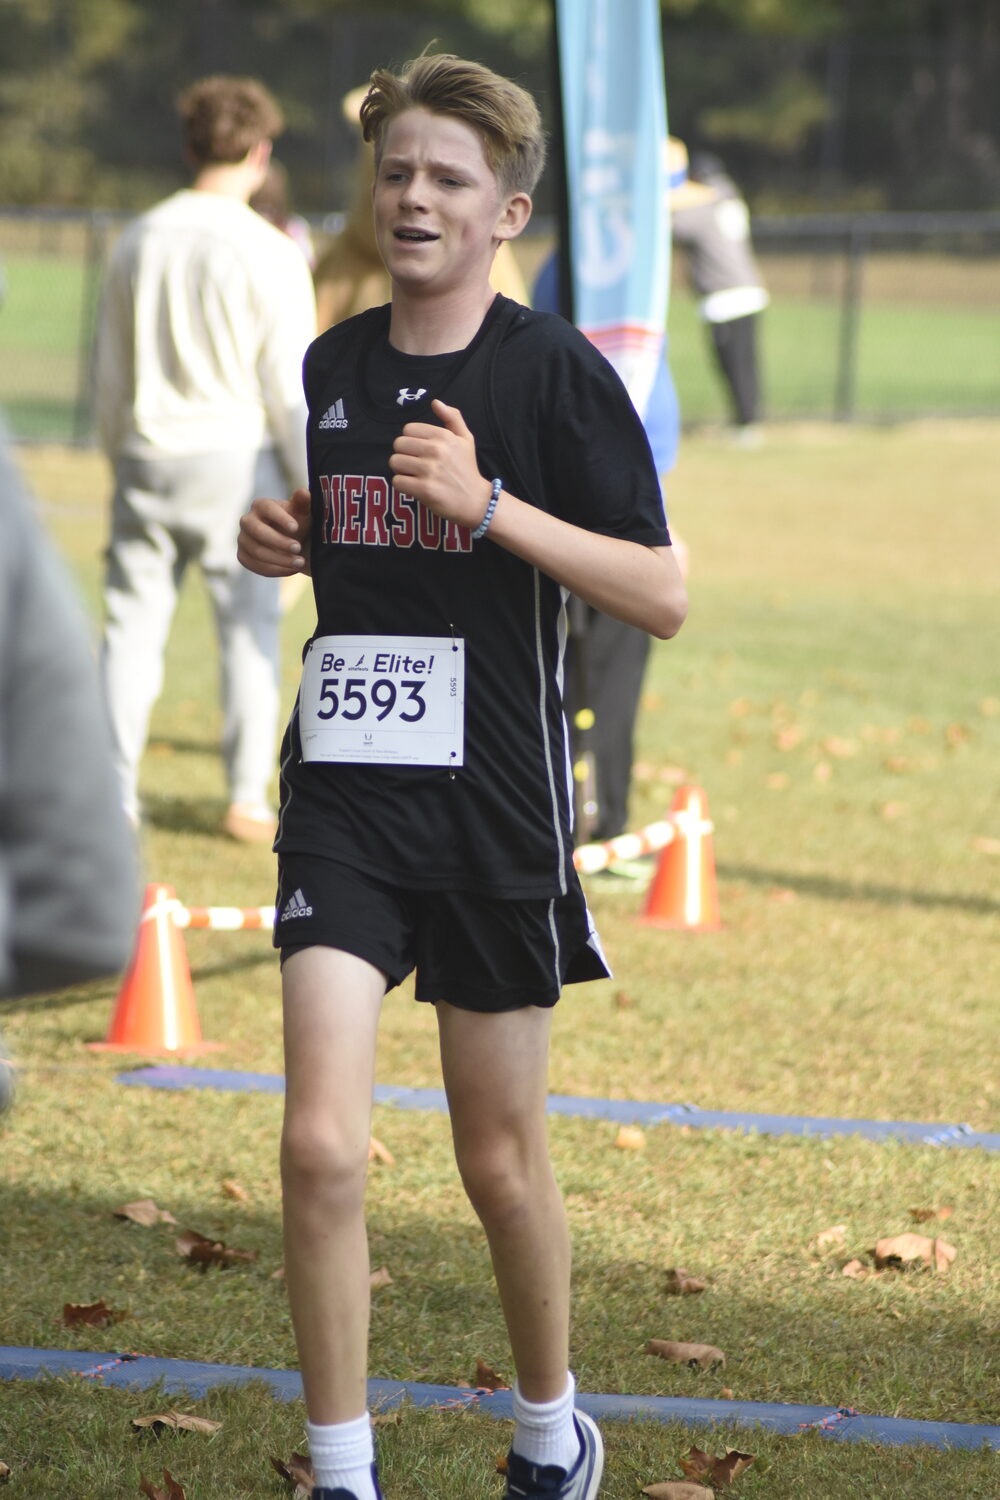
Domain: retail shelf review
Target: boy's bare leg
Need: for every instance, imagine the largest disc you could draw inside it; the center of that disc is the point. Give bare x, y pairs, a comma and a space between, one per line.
495, 1073
332, 1002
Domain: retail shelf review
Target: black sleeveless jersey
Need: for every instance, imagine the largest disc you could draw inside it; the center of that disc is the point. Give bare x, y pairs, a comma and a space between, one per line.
553, 421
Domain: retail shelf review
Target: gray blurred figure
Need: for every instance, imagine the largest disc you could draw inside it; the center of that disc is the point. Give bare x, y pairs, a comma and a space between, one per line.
710, 221
69, 897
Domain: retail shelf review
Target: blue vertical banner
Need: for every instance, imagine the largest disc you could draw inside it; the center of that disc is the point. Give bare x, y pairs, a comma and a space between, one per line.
615, 131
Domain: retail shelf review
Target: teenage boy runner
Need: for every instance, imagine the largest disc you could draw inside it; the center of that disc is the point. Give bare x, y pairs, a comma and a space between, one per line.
470, 462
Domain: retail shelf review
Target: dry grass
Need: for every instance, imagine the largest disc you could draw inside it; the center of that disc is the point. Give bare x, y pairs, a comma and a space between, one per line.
835, 693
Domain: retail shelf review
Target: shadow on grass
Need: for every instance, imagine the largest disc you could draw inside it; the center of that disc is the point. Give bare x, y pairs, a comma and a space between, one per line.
98, 989
802, 1344
828, 888
180, 815
234, 965
893, 1347
176, 745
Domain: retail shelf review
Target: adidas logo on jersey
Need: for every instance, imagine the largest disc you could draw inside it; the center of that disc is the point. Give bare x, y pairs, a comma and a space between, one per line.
333, 417
296, 906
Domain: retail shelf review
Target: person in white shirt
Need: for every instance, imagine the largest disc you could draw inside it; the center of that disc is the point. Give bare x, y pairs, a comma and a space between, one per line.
206, 313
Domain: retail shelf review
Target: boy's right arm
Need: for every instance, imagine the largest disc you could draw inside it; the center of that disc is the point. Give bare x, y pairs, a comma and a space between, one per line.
274, 536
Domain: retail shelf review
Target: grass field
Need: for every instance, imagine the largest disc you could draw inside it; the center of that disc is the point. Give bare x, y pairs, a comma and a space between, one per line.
835, 692
925, 347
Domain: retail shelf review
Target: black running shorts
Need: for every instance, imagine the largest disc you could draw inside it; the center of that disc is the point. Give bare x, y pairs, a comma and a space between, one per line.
474, 952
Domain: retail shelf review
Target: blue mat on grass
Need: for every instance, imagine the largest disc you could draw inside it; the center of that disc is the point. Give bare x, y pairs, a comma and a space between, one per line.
187, 1377
624, 1111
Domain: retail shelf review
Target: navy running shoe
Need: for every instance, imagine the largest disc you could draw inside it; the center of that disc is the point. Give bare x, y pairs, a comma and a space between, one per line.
530, 1482
325, 1494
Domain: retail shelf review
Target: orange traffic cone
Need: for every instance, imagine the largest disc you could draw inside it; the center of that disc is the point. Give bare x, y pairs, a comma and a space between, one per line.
684, 893
155, 1012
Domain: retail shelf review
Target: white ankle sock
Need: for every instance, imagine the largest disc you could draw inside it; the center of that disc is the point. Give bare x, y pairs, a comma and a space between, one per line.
342, 1455
544, 1431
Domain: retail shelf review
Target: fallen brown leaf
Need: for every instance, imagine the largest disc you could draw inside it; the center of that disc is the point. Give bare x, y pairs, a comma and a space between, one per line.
717, 1471
903, 1249
855, 1269
5, 1473
678, 1489
173, 1491
145, 1212
298, 1471
378, 1152
179, 1420
921, 1215
705, 1356
386, 1418
673, 775
681, 1283
90, 1314
233, 1190
985, 845
726, 1394
205, 1252
832, 1236
501, 1463
623, 1001
841, 749
630, 1138
892, 810
696, 1463
379, 1278
776, 781
725, 1470
487, 1378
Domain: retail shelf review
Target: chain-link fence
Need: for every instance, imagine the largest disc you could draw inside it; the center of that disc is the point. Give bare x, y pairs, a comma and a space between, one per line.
877, 317
873, 317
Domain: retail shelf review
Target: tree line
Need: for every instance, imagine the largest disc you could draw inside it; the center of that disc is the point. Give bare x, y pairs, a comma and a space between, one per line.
811, 103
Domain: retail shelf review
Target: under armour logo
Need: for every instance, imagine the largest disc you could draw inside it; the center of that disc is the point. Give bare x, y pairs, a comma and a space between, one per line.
407, 395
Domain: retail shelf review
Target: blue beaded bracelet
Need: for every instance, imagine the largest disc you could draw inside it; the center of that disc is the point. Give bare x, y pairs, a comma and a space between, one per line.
484, 524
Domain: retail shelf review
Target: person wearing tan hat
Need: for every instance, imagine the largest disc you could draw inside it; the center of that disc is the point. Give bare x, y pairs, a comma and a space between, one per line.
711, 224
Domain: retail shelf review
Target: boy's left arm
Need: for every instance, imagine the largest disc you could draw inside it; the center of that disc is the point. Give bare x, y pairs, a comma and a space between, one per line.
639, 585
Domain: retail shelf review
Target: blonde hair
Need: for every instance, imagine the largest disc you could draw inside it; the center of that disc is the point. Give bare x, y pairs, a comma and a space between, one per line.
224, 117
503, 114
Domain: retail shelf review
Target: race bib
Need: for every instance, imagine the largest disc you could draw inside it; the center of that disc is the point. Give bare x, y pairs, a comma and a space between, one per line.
384, 700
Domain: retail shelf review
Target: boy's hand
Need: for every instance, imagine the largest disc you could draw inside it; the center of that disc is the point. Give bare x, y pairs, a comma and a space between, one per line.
437, 466
274, 536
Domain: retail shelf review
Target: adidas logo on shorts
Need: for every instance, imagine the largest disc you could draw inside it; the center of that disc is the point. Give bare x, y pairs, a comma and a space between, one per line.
296, 906
333, 417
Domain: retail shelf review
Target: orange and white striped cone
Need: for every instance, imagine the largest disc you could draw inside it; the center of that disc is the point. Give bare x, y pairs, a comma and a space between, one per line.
155, 1013
684, 893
